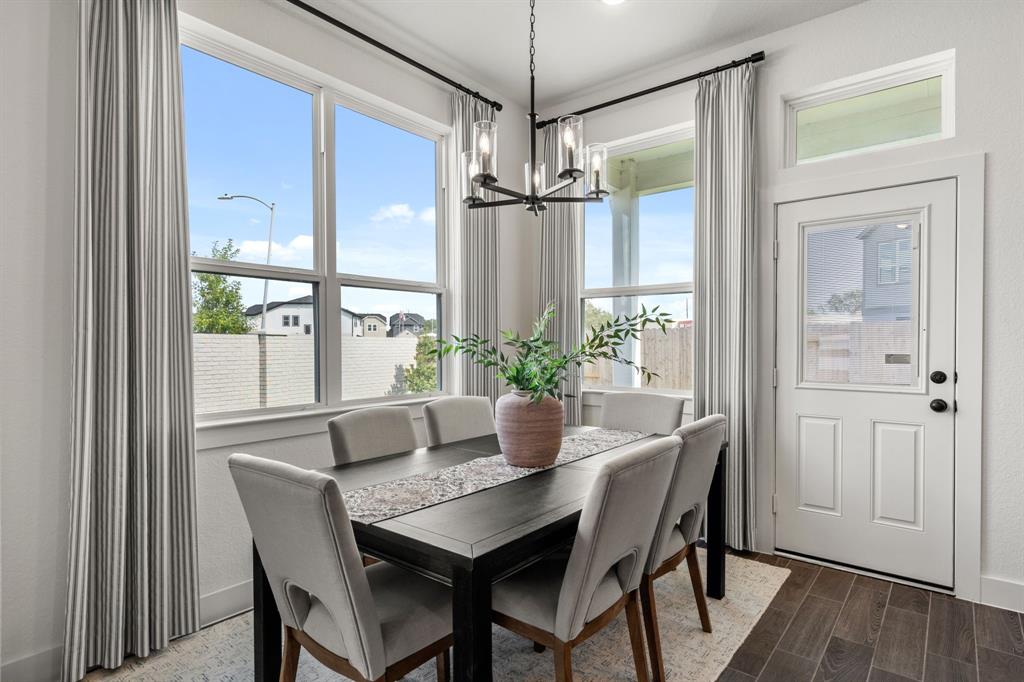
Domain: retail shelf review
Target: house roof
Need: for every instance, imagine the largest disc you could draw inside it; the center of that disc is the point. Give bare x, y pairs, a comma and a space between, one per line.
410, 318
258, 308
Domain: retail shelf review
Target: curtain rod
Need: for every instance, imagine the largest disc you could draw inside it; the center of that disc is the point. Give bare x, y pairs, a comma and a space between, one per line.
752, 59
323, 16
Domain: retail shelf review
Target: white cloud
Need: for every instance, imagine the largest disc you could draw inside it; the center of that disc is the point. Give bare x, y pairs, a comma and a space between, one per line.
298, 249
298, 290
427, 215
400, 212
254, 221
286, 185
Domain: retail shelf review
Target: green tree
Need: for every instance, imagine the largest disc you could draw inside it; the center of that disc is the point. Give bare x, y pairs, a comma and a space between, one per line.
594, 317
848, 302
217, 306
421, 377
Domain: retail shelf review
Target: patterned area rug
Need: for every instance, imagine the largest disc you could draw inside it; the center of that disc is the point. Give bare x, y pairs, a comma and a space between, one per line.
224, 651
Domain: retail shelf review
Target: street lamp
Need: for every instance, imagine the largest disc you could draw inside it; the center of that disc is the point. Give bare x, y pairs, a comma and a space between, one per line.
270, 235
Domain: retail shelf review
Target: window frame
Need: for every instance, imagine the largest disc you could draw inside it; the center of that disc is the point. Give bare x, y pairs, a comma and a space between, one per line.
326, 282
655, 138
941, 64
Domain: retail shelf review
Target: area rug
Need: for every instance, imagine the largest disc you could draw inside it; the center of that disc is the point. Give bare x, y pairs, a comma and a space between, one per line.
224, 651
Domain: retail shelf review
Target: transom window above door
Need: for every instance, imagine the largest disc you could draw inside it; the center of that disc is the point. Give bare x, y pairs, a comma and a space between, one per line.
638, 252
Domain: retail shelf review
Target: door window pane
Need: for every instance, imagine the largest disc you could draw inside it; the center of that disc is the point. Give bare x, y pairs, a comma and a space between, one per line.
385, 196
670, 355
246, 134
385, 337
643, 231
235, 366
860, 303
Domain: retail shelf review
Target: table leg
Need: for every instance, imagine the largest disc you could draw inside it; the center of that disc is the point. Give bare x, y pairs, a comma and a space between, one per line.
471, 621
716, 529
266, 624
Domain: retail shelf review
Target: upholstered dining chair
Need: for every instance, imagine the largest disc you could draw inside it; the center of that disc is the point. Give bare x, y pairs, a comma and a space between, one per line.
679, 525
458, 418
376, 623
371, 432
647, 412
561, 601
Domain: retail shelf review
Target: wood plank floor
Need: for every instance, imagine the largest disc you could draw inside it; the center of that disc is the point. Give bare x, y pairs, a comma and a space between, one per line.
831, 625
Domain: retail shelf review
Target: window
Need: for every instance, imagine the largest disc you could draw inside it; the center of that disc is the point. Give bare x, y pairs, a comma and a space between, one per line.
273, 320
903, 104
638, 251
895, 261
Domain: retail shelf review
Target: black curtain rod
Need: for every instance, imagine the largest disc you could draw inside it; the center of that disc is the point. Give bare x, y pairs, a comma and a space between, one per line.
323, 16
752, 59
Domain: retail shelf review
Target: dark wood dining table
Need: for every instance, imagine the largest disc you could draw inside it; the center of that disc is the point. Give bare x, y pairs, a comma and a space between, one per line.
471, 541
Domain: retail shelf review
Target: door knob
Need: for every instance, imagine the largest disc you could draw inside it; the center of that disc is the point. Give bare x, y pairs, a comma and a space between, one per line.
938, 405
938, 377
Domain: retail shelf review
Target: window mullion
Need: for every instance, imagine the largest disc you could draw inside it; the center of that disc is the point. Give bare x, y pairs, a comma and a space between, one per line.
331, 333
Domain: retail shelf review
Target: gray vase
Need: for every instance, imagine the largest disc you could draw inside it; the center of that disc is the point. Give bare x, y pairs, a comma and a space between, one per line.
530, 434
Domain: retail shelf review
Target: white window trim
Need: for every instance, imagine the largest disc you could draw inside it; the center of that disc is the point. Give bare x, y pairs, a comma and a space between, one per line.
939, 64
626, 145
225, 428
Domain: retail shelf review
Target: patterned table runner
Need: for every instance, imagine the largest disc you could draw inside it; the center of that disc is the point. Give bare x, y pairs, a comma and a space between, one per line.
393, 498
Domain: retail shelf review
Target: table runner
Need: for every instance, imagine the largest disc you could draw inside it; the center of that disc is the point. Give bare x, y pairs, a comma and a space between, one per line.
403, 495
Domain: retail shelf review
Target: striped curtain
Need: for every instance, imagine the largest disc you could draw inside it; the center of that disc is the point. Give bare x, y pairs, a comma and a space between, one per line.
132, 566
477, 260
561, 270
725, 274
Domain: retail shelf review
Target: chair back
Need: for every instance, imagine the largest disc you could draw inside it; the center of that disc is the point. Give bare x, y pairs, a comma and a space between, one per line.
646, 412
458, 418
687, 496
305, 540
615, 529
370, 433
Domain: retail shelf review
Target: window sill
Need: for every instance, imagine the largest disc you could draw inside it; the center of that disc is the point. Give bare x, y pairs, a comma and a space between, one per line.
253, 428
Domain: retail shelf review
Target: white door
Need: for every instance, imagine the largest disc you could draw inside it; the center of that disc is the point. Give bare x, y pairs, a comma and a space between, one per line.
865, 385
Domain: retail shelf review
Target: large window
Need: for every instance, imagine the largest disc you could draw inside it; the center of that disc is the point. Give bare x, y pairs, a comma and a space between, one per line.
293, 305
638, 251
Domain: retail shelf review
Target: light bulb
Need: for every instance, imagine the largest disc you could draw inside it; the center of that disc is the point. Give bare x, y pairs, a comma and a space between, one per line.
485, 143
595, 162
536, 180
569, 138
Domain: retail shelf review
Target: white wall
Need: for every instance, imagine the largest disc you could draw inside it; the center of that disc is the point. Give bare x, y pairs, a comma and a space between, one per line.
990, 108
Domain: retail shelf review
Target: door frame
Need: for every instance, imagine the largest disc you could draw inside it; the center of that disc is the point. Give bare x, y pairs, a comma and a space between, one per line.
969, 172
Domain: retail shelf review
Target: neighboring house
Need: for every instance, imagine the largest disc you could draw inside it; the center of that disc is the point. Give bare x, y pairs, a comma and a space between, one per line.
374, 324
363, 324
412, 323
294, 317
888, 272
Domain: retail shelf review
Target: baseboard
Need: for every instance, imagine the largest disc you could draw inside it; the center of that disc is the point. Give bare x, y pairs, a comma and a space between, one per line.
224, 603
1002, 592
37, 667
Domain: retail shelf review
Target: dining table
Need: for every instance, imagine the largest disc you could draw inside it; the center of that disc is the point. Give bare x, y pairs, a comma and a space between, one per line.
471, 541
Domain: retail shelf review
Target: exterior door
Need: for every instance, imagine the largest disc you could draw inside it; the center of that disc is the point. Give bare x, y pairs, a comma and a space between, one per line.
865, 383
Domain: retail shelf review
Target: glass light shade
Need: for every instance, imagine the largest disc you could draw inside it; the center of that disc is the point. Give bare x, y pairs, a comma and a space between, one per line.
537, 183
597, 170
469, 170
570, 147
485, 150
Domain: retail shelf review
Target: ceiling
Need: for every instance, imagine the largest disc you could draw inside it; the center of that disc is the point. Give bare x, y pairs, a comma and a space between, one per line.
580, 43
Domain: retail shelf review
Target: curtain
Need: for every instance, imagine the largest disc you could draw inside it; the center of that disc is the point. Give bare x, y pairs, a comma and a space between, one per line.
725, 276
132, 566
560, 270
478, 264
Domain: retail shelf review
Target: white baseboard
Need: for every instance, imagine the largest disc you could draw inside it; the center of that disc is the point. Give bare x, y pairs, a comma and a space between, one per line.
38, 667
1002, 592
224, 603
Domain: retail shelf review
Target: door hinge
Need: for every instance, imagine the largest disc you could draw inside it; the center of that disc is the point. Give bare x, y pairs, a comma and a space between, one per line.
775, 504
775, 249
775, 377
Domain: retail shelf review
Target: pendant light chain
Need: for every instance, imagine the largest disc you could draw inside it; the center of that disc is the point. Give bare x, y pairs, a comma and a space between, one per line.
533, 34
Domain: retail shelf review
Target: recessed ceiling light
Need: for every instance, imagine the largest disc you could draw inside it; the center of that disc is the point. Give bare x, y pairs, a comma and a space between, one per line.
613, 2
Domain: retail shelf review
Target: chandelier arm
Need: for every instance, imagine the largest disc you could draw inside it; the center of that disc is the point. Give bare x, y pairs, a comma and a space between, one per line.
498, 189
492, 204
555, 188
573, 200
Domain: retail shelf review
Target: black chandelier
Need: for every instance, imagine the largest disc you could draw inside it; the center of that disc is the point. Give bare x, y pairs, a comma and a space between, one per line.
480, 164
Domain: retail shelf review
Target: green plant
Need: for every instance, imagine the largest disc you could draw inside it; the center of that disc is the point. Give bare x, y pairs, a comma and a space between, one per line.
217, 306
421, 376
539, 366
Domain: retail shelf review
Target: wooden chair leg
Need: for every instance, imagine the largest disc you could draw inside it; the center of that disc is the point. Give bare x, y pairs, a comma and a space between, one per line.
538, 647
650, 613
563, 662
290, 658
698, 590
443, 666
636, 636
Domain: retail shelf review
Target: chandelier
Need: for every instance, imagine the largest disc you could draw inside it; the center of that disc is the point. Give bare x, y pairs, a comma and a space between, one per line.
480, 164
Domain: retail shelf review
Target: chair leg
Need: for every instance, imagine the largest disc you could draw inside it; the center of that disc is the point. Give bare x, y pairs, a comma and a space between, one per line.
636, 636
650, 614
563, 662
443, 666
290, 658
698, 589
538, 647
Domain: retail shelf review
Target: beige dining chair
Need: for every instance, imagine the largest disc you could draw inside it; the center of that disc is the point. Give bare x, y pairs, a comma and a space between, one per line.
376, 623
458, 418
679, 526
561, 601
370, 433
646, 412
